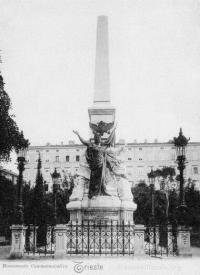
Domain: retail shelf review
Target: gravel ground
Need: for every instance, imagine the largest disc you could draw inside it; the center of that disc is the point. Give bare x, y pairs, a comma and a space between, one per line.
5, 250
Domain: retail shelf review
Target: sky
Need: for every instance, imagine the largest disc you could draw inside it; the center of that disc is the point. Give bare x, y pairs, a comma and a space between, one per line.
48, 47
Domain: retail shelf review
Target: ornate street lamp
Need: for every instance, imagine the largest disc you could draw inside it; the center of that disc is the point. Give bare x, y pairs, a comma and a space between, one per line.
181, 143
21, 159
56, 186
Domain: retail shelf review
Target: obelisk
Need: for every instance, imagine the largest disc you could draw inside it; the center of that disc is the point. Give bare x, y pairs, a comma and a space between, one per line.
102, 109
115, 203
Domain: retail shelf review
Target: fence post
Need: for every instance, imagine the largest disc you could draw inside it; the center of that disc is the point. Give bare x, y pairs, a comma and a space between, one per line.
170, 245
18, 241
61, 240
183, 241
157, 239
33, 237
139, 240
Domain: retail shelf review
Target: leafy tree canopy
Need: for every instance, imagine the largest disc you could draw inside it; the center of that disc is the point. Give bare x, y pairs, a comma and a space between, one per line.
11, 138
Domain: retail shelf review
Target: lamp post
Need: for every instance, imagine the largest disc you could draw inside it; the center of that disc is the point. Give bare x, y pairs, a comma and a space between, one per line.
56, 179
18, 229
21, 159
183, 236
180, 143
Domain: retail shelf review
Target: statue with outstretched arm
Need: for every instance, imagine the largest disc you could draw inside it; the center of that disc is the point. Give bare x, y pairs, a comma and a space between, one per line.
96, 160
83, 141
101, 162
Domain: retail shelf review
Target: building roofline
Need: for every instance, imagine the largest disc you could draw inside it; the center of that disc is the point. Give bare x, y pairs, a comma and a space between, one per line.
157, 143
54, 146
46, 147
8, 171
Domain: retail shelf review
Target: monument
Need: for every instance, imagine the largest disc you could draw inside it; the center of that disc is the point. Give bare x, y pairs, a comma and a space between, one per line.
101, 190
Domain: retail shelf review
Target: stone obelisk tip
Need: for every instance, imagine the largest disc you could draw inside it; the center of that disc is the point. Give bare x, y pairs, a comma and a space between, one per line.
102, 109
102, 79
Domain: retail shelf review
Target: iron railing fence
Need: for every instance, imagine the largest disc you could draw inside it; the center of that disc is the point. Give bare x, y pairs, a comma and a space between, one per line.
40, 240
100, 238
161, 240
5, 235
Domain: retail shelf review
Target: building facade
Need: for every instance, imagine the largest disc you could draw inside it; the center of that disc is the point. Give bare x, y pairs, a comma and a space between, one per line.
10, 175
138, 159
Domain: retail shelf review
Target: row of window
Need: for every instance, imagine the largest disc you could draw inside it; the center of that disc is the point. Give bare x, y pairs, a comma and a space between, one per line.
131, 158
140, 148
67, 159
38, 151
195, 170
172, 157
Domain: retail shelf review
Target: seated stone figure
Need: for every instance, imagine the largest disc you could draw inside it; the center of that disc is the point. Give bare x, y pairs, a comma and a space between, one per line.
124, 189
78, 190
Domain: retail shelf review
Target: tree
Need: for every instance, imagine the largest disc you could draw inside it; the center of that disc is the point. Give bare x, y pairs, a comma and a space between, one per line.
10, 136
38, 199
7, 205
142, 197
192, 199
166, 177
142, 194
7, 200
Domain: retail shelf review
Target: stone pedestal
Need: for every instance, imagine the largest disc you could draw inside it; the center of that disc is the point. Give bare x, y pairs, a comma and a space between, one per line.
183, 241
139, 240
18, 241
60, 241
104, 208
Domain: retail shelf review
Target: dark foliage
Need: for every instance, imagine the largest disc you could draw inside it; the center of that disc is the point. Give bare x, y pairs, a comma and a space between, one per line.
10, 136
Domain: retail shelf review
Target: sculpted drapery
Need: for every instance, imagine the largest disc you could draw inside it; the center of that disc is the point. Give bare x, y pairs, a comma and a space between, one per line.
102, 161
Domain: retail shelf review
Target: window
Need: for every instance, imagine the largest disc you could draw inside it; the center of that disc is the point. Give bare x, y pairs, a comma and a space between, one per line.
140, 170
57, 150
47, 150
77, 158
57, 158
77, 150
140, 159
129, 149
47, 160
67, 158
173, 156
195, 170
140, 148
129, 158
161, 147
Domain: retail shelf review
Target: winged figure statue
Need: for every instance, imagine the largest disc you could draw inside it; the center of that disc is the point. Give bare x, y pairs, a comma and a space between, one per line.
101, 159
101, 127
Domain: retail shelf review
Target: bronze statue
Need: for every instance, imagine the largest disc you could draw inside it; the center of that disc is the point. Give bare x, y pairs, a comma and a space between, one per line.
101, 160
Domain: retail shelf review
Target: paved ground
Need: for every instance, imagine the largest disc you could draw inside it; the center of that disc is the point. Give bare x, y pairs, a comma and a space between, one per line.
5, 250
